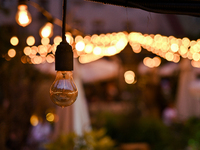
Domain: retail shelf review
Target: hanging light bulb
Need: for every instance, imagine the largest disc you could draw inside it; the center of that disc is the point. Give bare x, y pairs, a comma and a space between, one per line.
63, 91
23, 17
47, 30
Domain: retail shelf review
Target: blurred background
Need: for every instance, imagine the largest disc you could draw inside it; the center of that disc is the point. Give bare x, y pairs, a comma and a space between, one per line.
137, 74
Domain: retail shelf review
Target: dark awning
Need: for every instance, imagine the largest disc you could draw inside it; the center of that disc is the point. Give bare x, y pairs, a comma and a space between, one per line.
180, 7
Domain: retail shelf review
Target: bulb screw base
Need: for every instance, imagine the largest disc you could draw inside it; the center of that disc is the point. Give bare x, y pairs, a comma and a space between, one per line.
22, 2
64, 57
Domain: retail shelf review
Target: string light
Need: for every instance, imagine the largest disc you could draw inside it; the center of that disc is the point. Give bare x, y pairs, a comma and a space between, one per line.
23, 17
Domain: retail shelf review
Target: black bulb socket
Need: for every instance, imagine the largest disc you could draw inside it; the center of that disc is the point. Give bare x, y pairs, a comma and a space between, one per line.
64, 57
22, 2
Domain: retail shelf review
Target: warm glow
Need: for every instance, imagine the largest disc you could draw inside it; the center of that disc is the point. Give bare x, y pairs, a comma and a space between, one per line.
11, 53
80, 46
88, 58
27, 50
47, 30
176, 58
88, 48
14, 40
57, 40
186, 42
174, 47
24, 59
183, 50
129, 77
50, 117
34, 50
30, 40
196, 56
45, 41
23, 17
69, 38
42, 50
120, 45
78, 38
111, 51
195, 64
157, 61
169, 56
97, 50
34, 120
36, 60
136, 47
50, 58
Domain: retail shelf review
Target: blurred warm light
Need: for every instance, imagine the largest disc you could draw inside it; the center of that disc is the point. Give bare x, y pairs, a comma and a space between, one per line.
36, 60
23, 17
24, 59
120, 45
87, 39
157, 61
80, 45
69, 38
57, 40
34, 120
136, 47
42, 50
174, 47
111, 51
27, 50
196, 56
45, 41
169, 56
88, 58
129, 77
152, 62
14, 40
11, 53
34, 50
195, 64
50, 58
183, 50
47, 30
88, 48
78, 38
50, 117
30, 41
97, 50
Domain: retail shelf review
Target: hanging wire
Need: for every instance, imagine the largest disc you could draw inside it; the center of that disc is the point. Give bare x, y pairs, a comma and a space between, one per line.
64, 20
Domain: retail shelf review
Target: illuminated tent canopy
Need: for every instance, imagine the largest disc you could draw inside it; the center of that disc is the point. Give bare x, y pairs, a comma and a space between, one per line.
181, 7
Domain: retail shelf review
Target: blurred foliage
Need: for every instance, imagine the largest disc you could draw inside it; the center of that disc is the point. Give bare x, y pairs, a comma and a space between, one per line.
128, 129
94, 140
19, 84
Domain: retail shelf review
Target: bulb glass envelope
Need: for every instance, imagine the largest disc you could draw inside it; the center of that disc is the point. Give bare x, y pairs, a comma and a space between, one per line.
23, 17
63, 91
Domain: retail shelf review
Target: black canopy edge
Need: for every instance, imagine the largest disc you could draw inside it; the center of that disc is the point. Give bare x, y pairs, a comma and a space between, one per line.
179, 7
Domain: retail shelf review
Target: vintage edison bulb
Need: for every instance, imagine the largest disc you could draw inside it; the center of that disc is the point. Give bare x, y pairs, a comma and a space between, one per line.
23, 17
47, 30
63, 91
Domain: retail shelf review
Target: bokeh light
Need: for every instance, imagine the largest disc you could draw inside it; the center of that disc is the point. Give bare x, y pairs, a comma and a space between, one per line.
11, 53
14, 41
129, 77
50, 117
30, 41
34, 120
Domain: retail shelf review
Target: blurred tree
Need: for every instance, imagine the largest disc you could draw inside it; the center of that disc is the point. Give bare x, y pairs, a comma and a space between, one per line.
18, 85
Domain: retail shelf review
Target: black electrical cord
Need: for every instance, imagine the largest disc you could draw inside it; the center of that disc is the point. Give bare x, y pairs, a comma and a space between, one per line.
64, 53
64, 20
